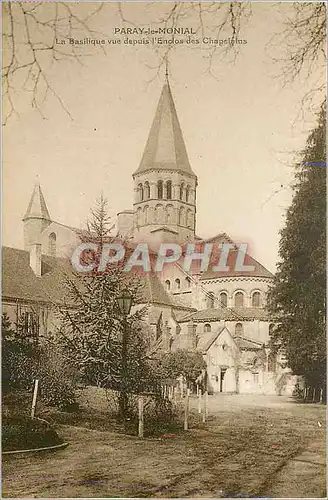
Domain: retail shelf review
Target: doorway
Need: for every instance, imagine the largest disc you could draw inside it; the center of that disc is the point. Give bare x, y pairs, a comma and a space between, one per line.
222, 374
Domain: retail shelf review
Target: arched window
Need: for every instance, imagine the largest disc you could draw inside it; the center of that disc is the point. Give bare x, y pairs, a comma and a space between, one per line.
140, 192
188, 282
168, 284
182, 188
139, 216
256, 299
189, 218
145, 213
223, 299
177, 284
187, 193
160, 190
169, 190
158, 214
169, 211
207, 328
182, 217
146, 190
239, 330
52, 244
239, 299
210, 300
271, 362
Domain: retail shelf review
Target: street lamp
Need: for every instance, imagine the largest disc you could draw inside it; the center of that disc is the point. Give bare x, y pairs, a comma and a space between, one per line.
124, 304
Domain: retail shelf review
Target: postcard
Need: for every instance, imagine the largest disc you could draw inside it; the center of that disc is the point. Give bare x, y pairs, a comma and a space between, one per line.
164, 249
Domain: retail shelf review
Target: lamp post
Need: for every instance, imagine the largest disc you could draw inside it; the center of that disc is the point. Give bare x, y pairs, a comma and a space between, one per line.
124, 303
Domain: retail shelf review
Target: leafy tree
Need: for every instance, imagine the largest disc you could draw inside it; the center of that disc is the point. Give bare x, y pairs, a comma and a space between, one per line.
189, 364
93, 328
297, 297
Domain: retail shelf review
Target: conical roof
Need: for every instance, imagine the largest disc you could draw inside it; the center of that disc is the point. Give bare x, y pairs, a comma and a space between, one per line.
37, 207
165, 148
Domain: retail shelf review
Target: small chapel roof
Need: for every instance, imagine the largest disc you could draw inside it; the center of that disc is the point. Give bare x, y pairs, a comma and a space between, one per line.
37, 207
165, 148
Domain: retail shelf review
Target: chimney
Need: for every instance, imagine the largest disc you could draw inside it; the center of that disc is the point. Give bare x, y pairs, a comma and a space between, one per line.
35, 258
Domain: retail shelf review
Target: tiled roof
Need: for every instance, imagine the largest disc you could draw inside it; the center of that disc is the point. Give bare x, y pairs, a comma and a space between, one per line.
228, 314
20, 282
247, 344
151, 290
165, 148
259, 270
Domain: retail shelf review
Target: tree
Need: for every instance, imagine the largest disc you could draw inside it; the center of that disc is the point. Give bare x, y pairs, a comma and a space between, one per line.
297, 298
182, 362
92, 327
30, 48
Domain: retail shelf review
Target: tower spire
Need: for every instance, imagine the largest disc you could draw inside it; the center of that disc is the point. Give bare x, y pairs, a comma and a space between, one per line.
37, 207
165, 148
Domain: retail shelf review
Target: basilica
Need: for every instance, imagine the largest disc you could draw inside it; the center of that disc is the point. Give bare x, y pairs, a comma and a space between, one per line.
221, 314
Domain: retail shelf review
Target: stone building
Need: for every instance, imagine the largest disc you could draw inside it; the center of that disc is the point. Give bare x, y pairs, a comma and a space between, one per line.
221, 314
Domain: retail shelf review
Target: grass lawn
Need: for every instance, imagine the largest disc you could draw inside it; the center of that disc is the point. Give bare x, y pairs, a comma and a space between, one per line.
240, 451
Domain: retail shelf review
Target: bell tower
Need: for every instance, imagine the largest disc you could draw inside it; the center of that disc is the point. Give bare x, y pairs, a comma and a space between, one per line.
164, 184
36, 218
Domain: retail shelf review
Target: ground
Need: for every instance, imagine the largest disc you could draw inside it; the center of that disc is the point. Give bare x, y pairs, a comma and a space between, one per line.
250, 446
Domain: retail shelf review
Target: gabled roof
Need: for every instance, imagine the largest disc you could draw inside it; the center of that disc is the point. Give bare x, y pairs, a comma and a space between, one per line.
37, 207
206, 339
259, 270
165, 148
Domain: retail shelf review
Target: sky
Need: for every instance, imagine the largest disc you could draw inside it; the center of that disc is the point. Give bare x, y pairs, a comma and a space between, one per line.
241, 128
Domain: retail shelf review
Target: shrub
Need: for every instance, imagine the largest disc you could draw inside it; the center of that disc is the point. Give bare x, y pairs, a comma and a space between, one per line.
57, 380
21, 433
160, 416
